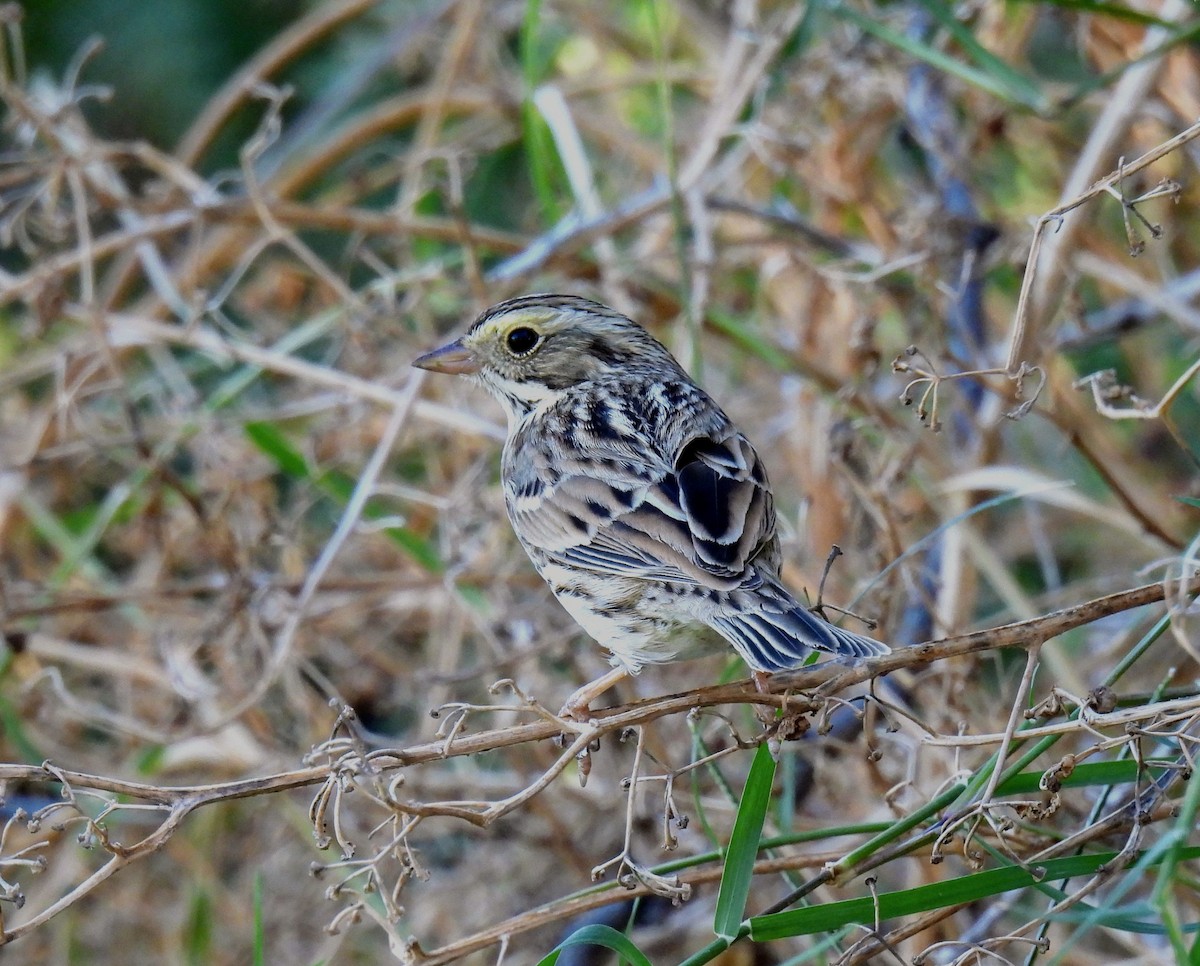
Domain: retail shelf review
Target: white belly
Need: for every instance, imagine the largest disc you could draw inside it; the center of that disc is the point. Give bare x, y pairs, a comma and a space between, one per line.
650, 626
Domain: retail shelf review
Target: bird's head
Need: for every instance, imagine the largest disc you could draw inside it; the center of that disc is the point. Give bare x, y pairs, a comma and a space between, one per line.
529, 349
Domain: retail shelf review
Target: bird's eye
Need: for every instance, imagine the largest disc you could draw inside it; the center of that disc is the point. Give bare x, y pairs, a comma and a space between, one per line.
521, 340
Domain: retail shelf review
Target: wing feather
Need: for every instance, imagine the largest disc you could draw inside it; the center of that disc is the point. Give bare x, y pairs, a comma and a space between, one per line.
698, 512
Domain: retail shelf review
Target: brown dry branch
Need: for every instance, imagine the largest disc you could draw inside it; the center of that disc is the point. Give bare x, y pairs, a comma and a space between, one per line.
1024, 334
1118, 113
1026, 331
227, 506
800, 692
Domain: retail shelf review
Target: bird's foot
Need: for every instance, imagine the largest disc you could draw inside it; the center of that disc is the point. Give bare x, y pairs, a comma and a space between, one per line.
577, 707
766, 713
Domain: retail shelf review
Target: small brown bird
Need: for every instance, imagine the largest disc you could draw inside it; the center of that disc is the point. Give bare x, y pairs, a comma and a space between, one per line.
641, 505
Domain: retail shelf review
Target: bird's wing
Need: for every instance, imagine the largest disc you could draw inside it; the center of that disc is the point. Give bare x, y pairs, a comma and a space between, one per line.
699, 514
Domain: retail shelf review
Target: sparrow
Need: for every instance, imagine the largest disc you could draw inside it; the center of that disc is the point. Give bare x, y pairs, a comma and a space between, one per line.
645, 509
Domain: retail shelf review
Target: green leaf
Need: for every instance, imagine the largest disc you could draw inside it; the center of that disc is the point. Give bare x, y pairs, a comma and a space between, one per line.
260, 936
1008, 86
937, 895
1177, 36
420, 549
1021, 89
199, 928
268, 438
340, 487
599, 935
337, 484
1114, 10
150, 760
750, 342
743, 846
539, 143
13, 729
1096, 773
1173, 845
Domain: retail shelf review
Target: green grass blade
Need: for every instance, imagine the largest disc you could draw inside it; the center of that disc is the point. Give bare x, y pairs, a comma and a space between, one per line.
599, 935
260, 933
420, 549
12, 723
1021, 88
268, 438
1000, 86
749, 341
539, 145
291, 462
1181, 35
1109, 905
937, 895
1096, 773
198, 929
743, 846
901, 827
1168, 881
1114, 10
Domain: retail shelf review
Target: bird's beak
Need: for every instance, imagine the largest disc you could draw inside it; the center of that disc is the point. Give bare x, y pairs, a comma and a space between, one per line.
454, 359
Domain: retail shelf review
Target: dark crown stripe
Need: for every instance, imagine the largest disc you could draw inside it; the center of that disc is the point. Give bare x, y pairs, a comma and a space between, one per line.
545, 301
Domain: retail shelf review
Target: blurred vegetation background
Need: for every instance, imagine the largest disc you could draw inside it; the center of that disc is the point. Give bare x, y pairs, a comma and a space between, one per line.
229, 509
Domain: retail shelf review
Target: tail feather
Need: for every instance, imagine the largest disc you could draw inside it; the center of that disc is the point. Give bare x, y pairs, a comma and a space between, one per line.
780, 633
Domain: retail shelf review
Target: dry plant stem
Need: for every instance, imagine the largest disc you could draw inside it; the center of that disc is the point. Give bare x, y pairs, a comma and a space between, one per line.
1102, 829
290, 44
483, 814
273, 232
1098, 830
291, 213
133, 330
572, 153
741, 71
220, 248
827, 680
1122, 860
867, 952
973, 948
927, 404
450, 65
987, 800
382, 119
119, 858
569, 237
1120, 110
566, 909
1171, 299
285, 48
56, 649
701, 263
1162, 712
629, 871
1096, 383
1020, 703
1027, 326
1092, 448
349, 519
